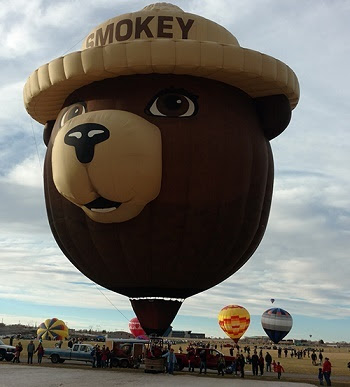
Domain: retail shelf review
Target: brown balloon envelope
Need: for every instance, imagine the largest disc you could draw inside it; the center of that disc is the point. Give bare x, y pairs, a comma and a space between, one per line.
210, 214
159, 172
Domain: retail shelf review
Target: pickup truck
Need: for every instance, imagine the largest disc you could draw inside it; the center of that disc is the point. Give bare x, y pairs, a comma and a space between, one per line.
212, 356
7, 352
79, 352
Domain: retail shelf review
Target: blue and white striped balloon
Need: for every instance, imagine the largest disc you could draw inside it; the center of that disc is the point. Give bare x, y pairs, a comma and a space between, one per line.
277, 323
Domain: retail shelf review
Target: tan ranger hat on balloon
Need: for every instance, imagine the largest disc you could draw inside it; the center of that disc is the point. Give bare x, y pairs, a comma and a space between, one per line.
161, 38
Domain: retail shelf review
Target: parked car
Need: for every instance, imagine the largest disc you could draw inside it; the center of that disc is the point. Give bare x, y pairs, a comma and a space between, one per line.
79, 352
7, 352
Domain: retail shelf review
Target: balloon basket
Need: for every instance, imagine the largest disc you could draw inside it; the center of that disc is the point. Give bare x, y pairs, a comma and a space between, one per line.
154, 366
154, 362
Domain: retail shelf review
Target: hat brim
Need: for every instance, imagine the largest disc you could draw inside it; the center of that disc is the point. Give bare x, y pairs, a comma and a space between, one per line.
255, 73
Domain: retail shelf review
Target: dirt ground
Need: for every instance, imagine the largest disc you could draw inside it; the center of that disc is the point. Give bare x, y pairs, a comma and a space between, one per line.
18, 375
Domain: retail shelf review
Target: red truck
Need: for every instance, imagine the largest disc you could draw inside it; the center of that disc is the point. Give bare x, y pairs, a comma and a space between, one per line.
212, 356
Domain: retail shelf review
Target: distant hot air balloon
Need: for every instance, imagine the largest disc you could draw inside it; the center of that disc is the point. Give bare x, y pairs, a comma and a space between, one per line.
52, 329
276, 323
136, 328
234, 320
272, 300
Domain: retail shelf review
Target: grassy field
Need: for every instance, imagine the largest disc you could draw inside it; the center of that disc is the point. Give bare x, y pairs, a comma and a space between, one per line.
339, 357
296, 370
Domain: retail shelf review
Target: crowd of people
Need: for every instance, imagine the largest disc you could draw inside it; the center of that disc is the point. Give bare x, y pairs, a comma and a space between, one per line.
31, 350
102, 357
259, 363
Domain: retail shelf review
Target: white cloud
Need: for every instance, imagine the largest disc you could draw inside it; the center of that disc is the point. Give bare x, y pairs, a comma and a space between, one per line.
28, 173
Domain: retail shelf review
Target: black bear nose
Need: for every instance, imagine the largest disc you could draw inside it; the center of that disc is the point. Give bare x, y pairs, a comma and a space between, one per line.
84, 137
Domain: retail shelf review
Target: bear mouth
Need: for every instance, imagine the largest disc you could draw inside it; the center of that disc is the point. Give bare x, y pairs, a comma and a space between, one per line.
102, 205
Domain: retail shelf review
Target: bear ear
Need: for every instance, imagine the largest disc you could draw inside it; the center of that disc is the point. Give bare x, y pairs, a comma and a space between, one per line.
47, 131
274, 113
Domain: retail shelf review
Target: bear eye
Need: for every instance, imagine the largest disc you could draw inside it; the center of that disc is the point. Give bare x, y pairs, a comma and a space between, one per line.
172, 103
73, 111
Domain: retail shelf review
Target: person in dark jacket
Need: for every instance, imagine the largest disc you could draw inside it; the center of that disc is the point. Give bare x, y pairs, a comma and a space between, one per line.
261, 365
320, 376
268, 360
191, 356
203, 359
255, 364
221, 365
40, 352
241, 362
30, 351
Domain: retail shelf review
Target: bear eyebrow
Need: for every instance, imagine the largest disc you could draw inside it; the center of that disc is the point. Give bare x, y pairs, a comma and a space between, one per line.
73, 98
78, 100
173, 89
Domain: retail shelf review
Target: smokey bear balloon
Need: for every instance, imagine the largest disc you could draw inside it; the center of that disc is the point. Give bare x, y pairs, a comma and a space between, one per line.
159, 173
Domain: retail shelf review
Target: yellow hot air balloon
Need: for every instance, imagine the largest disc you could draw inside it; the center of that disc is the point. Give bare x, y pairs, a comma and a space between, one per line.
234, 320
52, 329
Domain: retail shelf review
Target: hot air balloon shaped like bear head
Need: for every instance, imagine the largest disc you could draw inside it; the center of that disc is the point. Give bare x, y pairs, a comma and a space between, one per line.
158, 156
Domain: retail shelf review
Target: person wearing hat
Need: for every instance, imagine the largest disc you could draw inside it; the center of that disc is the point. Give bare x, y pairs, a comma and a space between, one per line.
326, 369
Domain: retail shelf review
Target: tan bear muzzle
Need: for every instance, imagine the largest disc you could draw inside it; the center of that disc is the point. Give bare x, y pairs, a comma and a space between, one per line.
108, 163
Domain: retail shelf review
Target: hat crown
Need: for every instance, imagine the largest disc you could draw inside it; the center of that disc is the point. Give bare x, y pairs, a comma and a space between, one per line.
158, 21
162, 7
161, 38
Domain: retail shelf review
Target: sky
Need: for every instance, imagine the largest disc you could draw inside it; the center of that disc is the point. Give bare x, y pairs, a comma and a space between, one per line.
303, 259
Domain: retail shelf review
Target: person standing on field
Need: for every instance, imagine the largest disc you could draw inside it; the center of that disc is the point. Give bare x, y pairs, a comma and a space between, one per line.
261, 365
268, 360
255, 364
171, 361
30, 351
40, 352
327, 368
279, 370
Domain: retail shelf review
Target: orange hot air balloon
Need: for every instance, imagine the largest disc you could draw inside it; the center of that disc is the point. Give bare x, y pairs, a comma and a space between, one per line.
234, 320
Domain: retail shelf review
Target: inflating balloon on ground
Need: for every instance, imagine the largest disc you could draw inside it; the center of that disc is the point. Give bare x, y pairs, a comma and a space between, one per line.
52, 329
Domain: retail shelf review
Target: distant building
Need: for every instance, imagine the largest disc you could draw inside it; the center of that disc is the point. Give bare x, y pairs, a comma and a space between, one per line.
120, 335
186, 335
300, 342
255, 340
98, 335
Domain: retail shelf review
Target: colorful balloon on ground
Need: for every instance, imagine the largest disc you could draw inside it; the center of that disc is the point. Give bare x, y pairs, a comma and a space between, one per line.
173, 171
135, 328
277, 323
234, 320
52, 329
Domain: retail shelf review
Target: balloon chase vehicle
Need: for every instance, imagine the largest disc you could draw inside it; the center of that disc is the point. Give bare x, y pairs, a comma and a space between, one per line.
159, 172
